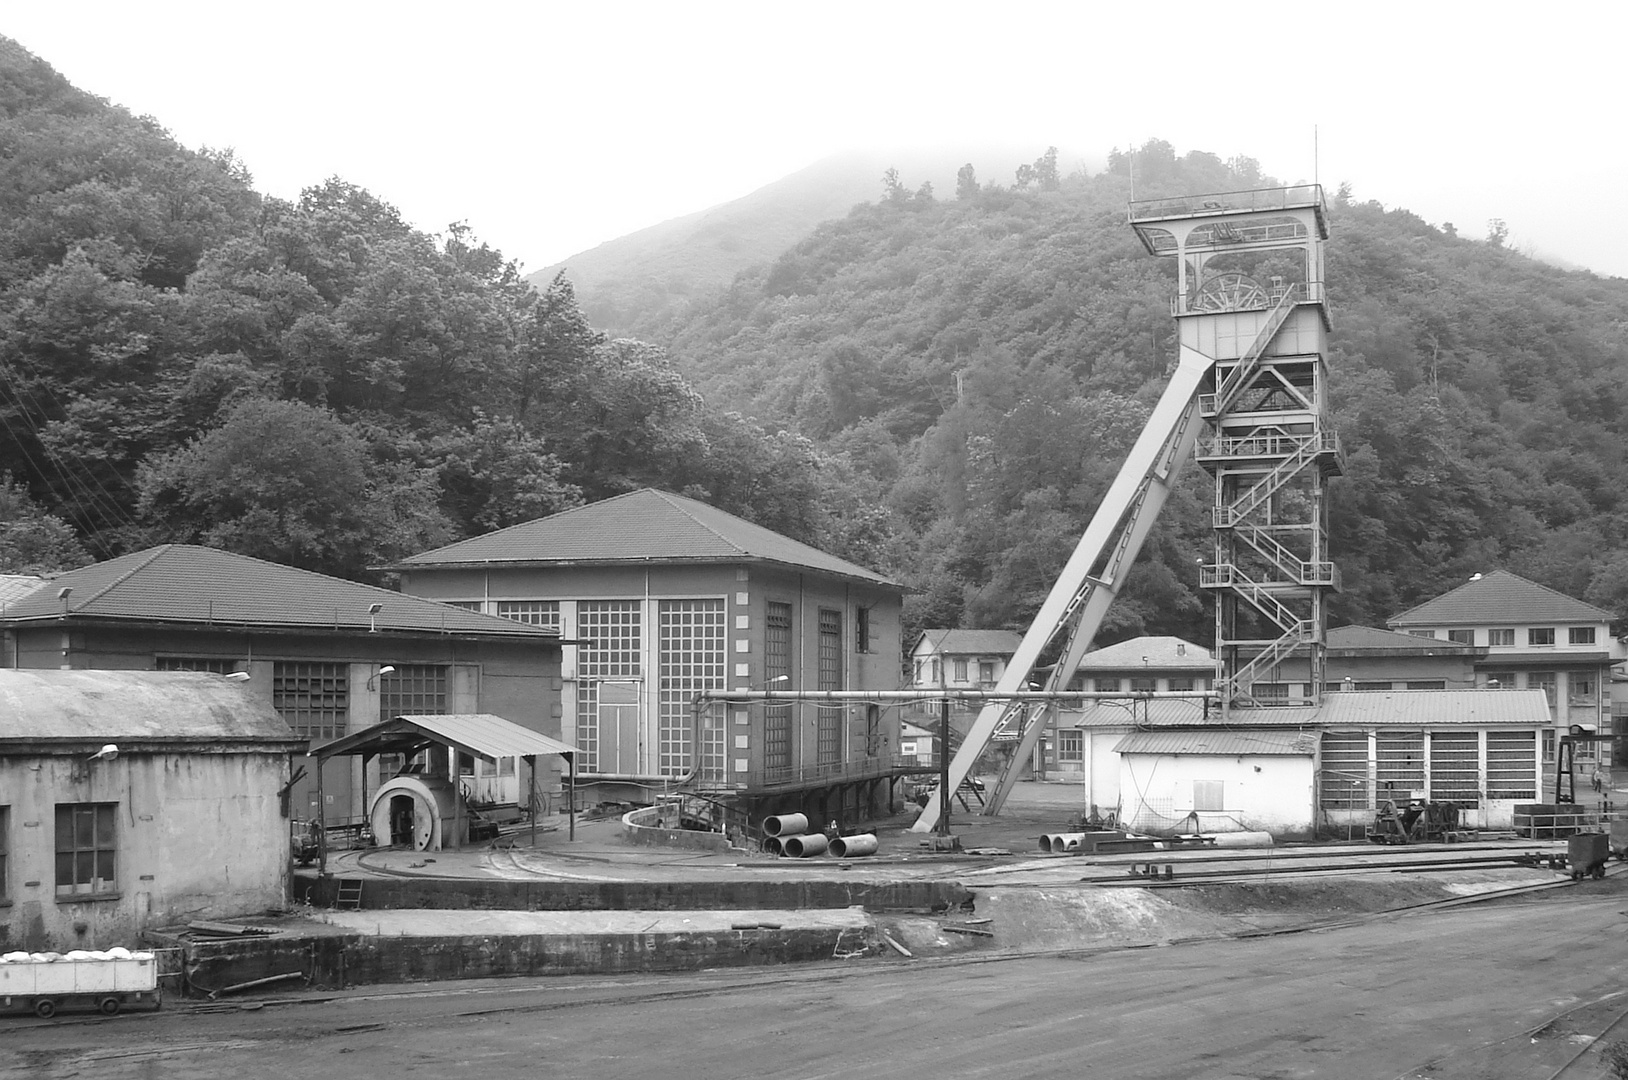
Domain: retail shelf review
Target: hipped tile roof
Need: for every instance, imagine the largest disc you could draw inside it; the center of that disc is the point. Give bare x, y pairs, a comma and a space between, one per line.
645, 526
1500, 598
973, 642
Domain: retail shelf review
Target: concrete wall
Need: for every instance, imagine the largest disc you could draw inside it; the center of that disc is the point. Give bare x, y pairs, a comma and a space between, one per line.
746, 591
1270, 793
199, 835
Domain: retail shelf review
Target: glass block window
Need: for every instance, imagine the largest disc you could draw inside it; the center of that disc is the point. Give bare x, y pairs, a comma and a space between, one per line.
691, 658
1344, 777
1070, 745
312, 698
545, 613
87, 844
777, 662
413, 690
1511, 765
828, 720
1399, 764
195, 663
1455, 767
611, 632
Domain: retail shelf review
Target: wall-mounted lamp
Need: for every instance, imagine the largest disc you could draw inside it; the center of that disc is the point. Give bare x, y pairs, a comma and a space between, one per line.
106, 753
372, 684
373, 617
237, 676
63, 594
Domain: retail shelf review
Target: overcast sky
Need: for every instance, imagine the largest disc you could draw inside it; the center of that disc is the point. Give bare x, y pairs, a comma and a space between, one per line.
551, 127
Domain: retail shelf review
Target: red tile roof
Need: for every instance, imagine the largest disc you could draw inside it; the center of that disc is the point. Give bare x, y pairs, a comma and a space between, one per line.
1500, 598
183, 583
645, 526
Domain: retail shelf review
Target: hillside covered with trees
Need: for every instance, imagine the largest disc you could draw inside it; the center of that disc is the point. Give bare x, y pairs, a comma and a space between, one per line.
986, 357
313, 382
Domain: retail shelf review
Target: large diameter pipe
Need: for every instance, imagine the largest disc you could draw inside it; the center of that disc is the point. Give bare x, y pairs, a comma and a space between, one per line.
1243, 839
771, 844
850, 847
801, 847
785, 825
1057, 843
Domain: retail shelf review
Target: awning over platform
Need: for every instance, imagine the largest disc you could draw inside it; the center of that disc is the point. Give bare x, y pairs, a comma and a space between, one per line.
481, 734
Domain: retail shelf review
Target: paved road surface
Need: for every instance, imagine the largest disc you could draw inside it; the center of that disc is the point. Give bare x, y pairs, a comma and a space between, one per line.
1448, 995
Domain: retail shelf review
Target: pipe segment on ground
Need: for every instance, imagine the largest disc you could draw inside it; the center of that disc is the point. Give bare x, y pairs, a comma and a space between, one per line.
784, 825
772, 845
851, 847
801, 847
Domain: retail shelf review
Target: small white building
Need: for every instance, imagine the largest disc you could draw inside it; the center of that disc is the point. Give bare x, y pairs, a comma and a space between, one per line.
136, 799
1218, 780
961, 659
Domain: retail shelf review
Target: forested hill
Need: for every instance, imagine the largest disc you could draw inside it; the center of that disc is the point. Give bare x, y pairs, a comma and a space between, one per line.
313, 382
987, 356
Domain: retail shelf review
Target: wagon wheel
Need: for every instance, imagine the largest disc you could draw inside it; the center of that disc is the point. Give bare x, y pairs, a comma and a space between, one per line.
109, 1006
45, 1008
1230, 291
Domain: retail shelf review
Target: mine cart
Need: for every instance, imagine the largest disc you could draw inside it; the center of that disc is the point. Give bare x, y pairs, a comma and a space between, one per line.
104, 981
1586, 853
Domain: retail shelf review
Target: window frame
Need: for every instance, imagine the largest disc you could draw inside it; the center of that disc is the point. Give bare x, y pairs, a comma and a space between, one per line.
1535, 637
101, 814
1575, 635
1461, 636
862, 630
1501, 637
5, 855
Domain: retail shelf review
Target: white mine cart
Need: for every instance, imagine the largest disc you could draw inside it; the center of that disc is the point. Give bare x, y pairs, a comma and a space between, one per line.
105, 981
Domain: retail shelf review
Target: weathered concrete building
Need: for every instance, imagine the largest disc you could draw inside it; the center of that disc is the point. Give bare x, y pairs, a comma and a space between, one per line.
131, 800
329, 656
660, 596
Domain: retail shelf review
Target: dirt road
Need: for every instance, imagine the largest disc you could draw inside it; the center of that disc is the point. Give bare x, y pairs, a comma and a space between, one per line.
1448, 995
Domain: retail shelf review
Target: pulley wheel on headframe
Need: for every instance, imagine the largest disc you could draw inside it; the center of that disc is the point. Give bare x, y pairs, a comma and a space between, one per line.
1230, 291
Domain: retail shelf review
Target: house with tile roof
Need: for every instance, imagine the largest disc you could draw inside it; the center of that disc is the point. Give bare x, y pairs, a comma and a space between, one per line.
961, 659
327, 655
131, 800
1535, 638
659, 596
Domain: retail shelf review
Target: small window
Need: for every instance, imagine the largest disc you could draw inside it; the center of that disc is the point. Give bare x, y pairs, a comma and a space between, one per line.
1207, 795
1548, 744
1542, 680
936, 670
1461, 637
87, 849
1269, 691
1580, 686
1580, 635
986, 672
5, 850
1106, 686
1540, 635
1070, 744
1501, 636
862, 630
1427, 684
960, 671
1178, 683
1144, 686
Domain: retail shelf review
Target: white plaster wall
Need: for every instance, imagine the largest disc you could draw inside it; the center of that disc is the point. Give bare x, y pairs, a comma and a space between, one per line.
1270, 793
199, 836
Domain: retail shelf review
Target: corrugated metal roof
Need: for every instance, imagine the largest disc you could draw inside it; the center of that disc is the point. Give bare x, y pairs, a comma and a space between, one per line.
482, 734
1224, 742
187, 583
132, 707
973, 642
645, 526
1346, 708
1500, 598
1160, 652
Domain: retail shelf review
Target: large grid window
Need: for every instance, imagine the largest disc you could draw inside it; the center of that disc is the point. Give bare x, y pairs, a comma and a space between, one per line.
87, 848
1399, 764
1070, 744
828, 731
1344, 781
1511, 765
545, 613
213, 664
611, 632
413, 690
312, 698
1455, 765
777, 663
691, 658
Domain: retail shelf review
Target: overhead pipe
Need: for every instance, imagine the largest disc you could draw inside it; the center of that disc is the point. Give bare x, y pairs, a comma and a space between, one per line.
851, 847
801, 847
785, 825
